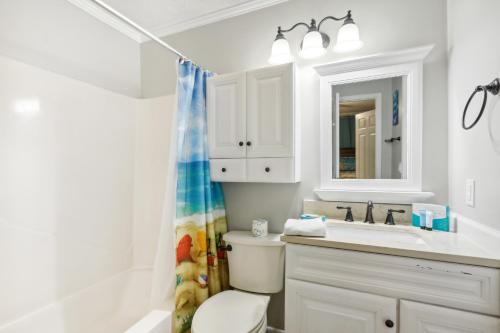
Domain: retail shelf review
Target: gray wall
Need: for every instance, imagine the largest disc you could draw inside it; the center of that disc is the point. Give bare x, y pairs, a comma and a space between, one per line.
244, 42
474, 58
57, 36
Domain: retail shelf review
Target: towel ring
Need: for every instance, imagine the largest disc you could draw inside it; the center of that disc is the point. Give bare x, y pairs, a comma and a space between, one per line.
493, 88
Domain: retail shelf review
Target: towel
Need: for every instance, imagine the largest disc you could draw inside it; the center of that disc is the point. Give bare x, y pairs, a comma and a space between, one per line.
312, 228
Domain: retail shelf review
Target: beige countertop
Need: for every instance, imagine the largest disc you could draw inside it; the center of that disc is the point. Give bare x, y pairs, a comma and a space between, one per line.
405, 241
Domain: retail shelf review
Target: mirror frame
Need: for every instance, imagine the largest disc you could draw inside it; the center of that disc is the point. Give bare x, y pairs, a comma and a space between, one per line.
407, 63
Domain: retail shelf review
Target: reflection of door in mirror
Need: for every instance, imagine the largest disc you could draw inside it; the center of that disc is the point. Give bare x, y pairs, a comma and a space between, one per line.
357, 137
365, 145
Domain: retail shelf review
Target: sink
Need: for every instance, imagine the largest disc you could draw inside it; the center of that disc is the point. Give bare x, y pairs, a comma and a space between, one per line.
380, 234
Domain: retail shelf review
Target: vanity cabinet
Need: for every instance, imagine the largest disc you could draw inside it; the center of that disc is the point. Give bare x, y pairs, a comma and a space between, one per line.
321, 309
362, 292
252, 118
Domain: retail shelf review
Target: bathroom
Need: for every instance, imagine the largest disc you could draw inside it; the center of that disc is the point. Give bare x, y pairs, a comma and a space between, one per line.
90, 112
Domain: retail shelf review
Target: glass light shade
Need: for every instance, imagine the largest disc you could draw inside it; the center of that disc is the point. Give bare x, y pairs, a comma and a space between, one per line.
280, 52
312, 45
348, 38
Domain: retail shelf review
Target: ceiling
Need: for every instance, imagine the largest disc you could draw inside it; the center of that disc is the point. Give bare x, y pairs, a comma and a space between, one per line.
164, 17
355, 107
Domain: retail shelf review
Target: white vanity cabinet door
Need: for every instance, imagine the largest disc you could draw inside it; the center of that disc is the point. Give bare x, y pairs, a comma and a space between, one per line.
270, 112
226, 116
314, 308
424, 318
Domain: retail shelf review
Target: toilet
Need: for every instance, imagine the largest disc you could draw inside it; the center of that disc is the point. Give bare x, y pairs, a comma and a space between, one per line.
256, 269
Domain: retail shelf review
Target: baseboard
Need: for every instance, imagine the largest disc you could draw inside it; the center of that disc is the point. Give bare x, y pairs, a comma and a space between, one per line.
274, 330
484, 236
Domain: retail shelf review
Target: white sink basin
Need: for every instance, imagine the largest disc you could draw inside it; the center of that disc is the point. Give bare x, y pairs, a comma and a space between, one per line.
380, 234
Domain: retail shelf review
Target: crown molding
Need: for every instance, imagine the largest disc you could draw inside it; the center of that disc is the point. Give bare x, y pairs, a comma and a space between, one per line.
107, 18
168, 29
376, 60
214, 16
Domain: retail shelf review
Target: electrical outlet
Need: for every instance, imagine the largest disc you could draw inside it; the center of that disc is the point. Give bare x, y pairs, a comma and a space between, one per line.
469, 192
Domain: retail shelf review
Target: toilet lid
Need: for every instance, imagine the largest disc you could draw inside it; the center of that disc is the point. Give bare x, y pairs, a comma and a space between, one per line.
230, 311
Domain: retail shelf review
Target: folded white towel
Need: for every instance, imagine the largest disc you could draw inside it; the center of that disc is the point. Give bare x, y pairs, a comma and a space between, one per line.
313, 228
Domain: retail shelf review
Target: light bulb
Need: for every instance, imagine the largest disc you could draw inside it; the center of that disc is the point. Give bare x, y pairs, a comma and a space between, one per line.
312, 45
280, 52
348, 38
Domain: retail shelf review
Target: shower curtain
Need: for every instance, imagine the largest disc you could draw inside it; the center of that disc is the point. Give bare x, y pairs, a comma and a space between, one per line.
201, 263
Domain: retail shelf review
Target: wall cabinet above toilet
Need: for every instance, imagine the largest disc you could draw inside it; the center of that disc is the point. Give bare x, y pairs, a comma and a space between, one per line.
252, 121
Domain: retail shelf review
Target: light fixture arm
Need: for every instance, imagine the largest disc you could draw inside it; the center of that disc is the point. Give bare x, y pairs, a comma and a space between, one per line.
347, 18
280, 31
312, 26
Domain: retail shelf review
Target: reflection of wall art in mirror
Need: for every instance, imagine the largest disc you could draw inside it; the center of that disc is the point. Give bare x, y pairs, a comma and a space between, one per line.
395, 108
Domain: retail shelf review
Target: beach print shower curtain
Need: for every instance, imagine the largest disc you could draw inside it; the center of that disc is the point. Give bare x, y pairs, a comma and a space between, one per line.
201, 264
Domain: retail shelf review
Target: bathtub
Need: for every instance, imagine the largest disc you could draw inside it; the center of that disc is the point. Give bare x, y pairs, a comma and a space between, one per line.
156, 321
119, 304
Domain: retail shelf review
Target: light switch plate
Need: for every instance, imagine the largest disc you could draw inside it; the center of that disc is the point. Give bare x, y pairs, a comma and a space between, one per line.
469, 192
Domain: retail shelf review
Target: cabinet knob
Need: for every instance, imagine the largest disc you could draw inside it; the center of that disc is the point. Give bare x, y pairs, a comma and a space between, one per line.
267, 169
249, 143
241, 143
223, 170
389, 323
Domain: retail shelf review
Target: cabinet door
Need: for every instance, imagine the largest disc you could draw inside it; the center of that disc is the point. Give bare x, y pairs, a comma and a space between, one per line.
424, 318
270, 112
226, 116
315, 308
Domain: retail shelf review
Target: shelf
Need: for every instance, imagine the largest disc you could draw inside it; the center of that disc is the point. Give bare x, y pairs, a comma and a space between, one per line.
394, 197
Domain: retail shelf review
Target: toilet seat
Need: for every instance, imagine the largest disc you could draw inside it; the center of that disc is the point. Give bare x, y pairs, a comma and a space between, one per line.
231, 311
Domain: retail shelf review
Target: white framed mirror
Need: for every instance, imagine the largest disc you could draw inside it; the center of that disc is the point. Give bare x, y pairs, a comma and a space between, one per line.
371, 127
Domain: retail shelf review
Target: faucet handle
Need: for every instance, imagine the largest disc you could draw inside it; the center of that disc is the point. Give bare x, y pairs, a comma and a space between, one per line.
389, 220
369, 214
348, 215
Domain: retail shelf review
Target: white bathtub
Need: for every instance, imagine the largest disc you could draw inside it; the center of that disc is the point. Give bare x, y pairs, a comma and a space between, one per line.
157, 321
116, 305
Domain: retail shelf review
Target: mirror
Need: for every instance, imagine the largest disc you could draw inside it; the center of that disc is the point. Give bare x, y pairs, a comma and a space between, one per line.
376, 99
368, 132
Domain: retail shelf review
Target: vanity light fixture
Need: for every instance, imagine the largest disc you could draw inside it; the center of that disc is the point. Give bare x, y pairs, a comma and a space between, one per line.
315, 43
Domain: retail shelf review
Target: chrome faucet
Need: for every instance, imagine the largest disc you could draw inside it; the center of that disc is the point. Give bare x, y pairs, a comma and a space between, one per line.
369, 214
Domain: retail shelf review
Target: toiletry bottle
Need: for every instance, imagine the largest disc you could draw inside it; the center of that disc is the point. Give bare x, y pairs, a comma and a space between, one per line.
422, 215
429, 218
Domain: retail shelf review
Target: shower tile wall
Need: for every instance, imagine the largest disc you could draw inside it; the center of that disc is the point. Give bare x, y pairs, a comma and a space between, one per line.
66, 186
153, 139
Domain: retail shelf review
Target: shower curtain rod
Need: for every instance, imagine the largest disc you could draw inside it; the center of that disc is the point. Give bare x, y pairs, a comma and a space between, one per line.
138, 27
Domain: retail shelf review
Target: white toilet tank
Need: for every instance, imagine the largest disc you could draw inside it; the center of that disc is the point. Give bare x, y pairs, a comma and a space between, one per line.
256, 264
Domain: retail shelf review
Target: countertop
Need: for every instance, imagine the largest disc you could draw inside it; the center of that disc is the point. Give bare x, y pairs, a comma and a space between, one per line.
405, 241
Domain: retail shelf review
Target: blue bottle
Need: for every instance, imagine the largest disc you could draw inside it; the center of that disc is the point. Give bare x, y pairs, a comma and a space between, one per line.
423, 215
